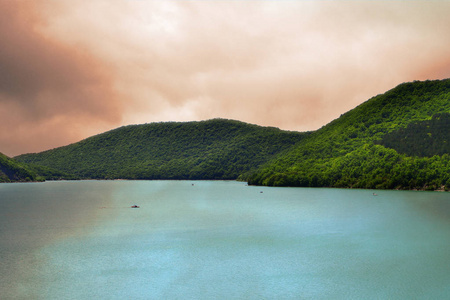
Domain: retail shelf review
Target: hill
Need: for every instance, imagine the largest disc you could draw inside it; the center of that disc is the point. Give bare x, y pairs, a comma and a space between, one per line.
397, 140
213, 149
13, 171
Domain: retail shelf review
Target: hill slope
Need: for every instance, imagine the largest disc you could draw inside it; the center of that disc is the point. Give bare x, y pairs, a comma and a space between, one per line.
349, 151
423, 138
12, 171
214, 149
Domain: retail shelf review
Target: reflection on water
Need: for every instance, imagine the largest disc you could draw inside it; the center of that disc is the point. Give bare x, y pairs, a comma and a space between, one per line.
220, 240
34, 215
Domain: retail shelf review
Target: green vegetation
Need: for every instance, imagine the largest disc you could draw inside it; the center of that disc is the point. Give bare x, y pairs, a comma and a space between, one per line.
349, 151
424, 138
214, 149
12, 171
397, 140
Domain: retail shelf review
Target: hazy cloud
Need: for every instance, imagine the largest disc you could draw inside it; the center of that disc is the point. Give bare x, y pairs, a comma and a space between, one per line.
50, 93
75, 68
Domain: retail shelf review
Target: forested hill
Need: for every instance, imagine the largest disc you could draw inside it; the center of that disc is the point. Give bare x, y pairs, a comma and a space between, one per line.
213, 149
395, 140
12, 171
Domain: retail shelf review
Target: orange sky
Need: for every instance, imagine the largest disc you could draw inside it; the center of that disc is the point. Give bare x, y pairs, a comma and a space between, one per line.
72, 69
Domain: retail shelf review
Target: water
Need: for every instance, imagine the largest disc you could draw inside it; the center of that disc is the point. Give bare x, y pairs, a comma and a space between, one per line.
220, 240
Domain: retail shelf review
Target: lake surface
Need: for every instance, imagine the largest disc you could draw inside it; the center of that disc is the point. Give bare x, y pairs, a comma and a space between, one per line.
220, 240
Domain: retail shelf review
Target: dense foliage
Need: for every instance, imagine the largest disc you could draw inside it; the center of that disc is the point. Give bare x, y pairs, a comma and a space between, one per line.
214, 149
424, 138
12, 170
345, 153
397, 140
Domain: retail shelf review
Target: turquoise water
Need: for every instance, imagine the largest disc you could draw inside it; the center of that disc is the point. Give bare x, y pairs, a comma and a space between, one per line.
220, 240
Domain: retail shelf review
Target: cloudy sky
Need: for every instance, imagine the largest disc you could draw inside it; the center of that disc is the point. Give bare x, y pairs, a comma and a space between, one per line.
72, 69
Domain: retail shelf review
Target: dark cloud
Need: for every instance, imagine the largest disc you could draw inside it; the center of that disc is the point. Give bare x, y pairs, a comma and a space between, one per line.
46, 88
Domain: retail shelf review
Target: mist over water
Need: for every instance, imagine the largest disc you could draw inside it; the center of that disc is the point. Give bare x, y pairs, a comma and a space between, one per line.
220, 240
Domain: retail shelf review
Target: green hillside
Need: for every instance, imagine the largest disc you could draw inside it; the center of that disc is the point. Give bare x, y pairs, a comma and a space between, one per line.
12, 171
395, 140
214, 149
422, 138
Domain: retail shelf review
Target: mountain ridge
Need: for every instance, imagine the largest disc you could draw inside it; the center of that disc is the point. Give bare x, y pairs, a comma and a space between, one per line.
356, 150
14, 171
211, 149
344, 152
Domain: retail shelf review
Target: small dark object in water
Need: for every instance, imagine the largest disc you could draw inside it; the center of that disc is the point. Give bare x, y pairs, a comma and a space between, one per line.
134, 206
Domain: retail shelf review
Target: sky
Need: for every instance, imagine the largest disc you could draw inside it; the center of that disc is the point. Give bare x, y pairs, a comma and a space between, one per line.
73, 69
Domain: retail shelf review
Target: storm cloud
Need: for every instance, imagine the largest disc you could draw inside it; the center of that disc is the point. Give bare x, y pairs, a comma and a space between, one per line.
71, 69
